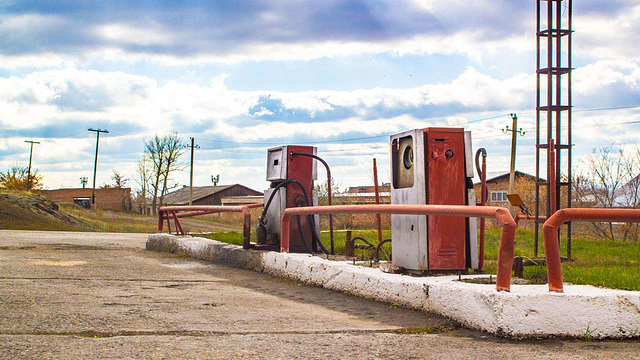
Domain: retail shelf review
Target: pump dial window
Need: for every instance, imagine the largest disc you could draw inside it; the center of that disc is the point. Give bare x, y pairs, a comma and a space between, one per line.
407, 157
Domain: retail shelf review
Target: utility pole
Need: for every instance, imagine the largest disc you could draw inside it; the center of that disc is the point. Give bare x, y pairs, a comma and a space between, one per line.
192, 146
95, 165
30, 157
512, 170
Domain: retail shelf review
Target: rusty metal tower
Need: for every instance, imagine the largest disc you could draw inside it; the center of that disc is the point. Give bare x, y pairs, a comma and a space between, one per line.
553, 110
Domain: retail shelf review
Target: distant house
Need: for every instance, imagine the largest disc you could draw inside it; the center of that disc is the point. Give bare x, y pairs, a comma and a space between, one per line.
242, 200
207, 195
498, 186
112, 198
365, 194
626, 196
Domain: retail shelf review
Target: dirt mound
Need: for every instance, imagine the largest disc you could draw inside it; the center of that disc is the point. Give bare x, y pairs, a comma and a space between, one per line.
26, 211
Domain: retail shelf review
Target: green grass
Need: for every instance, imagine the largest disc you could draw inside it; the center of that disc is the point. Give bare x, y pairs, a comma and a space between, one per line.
108, 221
339, 238
612, 264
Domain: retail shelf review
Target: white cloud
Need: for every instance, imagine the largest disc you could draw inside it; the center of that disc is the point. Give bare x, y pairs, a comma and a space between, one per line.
127, 34
594, 77
140, 106
605, 37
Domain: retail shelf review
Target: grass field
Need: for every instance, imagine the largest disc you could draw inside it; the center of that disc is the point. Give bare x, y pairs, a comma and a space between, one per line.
109, 221
605, 263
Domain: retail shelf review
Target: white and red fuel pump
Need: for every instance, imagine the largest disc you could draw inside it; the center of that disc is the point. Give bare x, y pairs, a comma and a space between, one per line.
291, 171
433, 166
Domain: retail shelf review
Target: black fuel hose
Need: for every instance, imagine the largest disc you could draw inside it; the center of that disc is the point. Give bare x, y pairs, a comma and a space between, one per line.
314, 237
266, 206
329, 195
312, 221
304, 242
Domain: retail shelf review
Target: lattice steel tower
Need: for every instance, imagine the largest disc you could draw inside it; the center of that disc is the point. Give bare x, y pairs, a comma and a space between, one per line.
553, 108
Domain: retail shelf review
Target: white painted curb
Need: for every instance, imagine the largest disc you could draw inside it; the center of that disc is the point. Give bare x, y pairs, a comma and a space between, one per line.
527, 311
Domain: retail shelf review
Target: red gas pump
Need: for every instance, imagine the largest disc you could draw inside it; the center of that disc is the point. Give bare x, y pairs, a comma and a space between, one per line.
291, 178
432, 166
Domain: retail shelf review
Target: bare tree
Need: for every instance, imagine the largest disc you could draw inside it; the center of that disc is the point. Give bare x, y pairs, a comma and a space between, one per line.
164, 153
323, 192
144, 174
155, 150
631, 191
119, 181
173, 150
611, 180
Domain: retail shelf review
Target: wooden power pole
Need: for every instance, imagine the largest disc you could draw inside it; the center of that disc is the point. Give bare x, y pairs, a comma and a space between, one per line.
192, 146
30, 157
95, 165
512, 169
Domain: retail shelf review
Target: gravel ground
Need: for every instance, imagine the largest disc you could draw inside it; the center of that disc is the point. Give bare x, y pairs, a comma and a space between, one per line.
100, 295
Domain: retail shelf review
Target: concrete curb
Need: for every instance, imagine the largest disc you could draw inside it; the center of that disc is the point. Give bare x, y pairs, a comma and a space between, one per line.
527, 311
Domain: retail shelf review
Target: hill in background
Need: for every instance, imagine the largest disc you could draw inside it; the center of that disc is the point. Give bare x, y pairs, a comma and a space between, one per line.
26, 211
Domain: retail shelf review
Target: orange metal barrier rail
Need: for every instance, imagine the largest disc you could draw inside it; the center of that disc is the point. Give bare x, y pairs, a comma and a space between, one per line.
553, 224
507, 237
175, 212
526, 217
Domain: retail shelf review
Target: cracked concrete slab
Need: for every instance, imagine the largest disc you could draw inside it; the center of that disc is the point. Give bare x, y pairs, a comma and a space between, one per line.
116, 300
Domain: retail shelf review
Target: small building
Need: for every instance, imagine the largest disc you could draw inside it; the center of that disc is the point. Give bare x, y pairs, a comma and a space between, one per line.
208, 195
111, 198
365, 194
498, 186
242, 200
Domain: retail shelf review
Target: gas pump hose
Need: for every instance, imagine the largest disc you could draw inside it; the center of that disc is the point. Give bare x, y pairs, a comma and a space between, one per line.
314, 236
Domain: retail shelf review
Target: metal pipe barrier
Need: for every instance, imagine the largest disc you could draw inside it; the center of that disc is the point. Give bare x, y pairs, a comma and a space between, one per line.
526, 217
553, 224
502, 215
174, 212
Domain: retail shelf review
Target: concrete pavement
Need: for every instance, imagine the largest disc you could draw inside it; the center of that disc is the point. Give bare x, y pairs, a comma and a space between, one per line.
100, 295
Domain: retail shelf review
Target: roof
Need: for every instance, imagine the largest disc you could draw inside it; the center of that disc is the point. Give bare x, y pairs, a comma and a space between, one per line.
368, 188
497, 175
181, 196
248, 199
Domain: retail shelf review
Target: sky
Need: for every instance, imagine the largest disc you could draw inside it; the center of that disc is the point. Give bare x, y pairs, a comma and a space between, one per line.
243, 76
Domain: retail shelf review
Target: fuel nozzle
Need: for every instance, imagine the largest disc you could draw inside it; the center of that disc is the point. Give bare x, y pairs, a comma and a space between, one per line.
261, 231
300, 201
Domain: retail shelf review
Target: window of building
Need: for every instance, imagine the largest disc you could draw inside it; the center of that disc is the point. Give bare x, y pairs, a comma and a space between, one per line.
499, 196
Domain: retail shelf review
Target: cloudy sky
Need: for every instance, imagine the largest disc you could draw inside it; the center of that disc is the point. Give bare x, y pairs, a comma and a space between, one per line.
242, 76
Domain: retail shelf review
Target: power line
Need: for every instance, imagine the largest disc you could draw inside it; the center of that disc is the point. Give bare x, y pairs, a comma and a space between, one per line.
583, 126
478, 120
17, 150
608, 108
